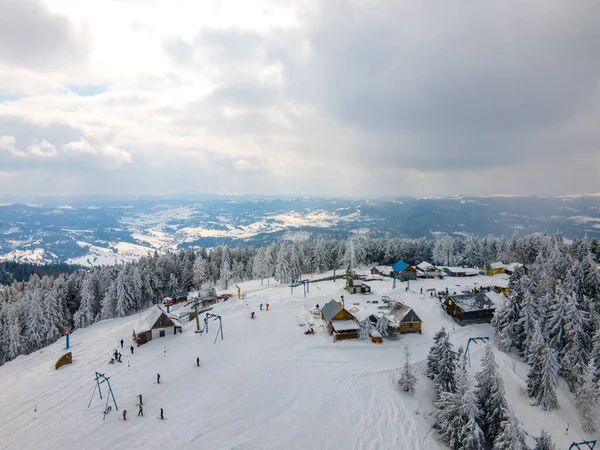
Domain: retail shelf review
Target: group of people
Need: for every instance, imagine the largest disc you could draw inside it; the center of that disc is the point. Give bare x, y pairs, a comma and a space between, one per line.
310, 331
252, 314
261, 306
117, 357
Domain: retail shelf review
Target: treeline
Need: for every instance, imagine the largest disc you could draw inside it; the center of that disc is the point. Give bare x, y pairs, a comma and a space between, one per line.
11, 271
34, 314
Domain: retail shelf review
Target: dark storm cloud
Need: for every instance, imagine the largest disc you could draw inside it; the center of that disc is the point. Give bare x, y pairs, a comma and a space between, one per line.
32, 36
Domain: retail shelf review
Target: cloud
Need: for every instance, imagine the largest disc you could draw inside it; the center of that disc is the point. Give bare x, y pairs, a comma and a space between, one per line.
342, 97
34, 37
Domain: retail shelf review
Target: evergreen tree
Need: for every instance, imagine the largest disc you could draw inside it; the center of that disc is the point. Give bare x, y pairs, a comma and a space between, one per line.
545, 369
365, 330
109, 302
528, 317
557, 320
445, 380
320, 256
491, 396
544, 442
283, 273
35, 324
577, 342
407, 380
457, 414
511, 437
433, 356
382, 326
586, 399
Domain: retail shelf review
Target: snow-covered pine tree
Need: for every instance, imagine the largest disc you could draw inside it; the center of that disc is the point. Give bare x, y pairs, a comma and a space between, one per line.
407, 380
557, 319
226, 272
433, 356
320, 256
445, 380
547, 371
587, 399
350, 255
124, 304
544, 442
491, 396
510, 437
365, 330
11, 330
506, 318
382, 326
35, 322
283, 273
533, 378
109, 302
457, 414
577, 342
528, 317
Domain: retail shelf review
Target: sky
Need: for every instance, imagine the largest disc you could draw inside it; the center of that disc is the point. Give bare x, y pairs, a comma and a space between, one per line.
322, 98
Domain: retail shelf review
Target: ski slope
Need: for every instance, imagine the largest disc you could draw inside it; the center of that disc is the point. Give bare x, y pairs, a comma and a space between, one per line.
265, 386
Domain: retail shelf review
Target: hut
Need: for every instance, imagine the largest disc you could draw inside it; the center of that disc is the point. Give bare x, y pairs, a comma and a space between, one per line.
494, 268
180, 297
402, 319
404, 271
376, 337
356, 286
510, 268
426, 270
340, 323
155, 324
470, 308
461, 271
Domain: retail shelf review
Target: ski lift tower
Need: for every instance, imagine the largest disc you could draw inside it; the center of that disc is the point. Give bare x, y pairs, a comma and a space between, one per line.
105, 379
220, 330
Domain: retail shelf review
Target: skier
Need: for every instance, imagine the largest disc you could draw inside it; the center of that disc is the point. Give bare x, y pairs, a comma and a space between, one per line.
119, 357
421, 291
261, 305
162, 413
165, 352
122, 343
131, 348
124, 414
267, 305
198, 362
116, 354
140, 397
141, 411
317, 306
158, 378
252, 315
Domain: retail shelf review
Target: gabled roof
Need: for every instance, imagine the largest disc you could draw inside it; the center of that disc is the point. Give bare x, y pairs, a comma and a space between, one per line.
472, 302
496, 265
425, 266
150, 318
330, 310
356, 282
399, 312
400, 266
345, 325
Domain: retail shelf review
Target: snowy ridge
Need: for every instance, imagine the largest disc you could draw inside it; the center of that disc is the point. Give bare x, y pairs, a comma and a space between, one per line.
265, 386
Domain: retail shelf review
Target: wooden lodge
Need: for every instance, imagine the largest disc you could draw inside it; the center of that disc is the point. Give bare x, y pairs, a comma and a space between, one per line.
402, 319
469, 308
461, 271
404, 271
341, 324
155, 324
494, 268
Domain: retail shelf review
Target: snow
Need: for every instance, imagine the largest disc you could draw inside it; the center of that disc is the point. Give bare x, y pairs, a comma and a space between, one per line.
496, 265
265, 386
36, 256
118, 252
344, 325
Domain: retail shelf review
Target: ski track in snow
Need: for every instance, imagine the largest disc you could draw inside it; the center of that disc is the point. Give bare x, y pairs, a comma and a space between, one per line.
265, 386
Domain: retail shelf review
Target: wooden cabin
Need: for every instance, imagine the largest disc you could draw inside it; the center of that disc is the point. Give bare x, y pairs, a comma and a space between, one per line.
494, 268
470, 308
341, 324
180, 297
376, 337
426, 270
402, 319
510, 268
156, 323
357, 286
403, 271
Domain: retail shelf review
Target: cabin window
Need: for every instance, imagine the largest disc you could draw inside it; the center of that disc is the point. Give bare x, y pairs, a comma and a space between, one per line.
410, 325
161, 333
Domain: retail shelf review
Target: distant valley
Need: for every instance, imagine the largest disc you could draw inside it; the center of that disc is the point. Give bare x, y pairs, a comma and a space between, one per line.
108, 231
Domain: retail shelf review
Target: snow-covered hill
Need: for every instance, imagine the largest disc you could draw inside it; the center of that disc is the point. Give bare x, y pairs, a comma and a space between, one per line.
265, 386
